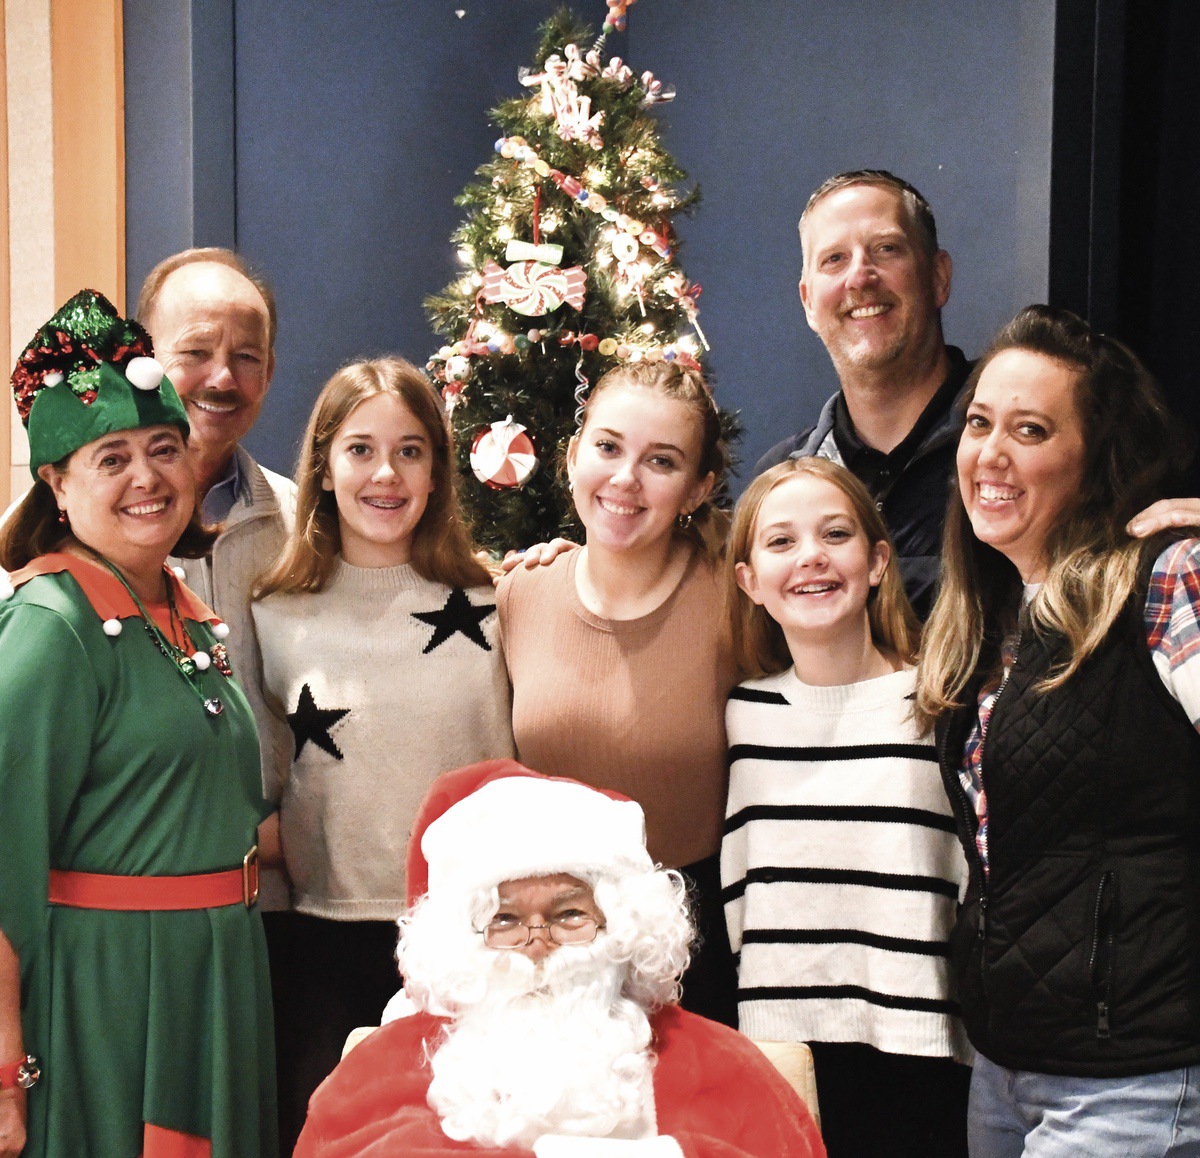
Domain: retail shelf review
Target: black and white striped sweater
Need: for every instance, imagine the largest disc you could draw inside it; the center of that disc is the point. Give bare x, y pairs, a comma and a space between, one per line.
840, 866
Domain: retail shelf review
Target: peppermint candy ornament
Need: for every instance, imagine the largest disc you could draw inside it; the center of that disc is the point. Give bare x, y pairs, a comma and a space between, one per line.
503, 456
532, 288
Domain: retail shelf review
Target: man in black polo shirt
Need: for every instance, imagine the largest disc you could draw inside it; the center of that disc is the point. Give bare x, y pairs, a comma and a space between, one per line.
873, 285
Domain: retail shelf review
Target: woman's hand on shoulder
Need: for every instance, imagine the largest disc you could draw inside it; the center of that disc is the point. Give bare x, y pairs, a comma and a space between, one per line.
539, 555
12, 1123
1163, 516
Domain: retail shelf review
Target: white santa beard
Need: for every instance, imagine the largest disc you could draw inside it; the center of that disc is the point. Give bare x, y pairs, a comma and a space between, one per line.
553, 1049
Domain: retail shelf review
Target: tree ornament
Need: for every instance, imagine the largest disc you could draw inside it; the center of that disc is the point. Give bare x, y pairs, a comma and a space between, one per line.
458, 369
624, 247
560, 99
503, 455
619, 71
548, 254
656, 91
615, 21
532, 288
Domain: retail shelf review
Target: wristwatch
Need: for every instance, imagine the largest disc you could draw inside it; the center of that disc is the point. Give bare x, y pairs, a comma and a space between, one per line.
22, 1074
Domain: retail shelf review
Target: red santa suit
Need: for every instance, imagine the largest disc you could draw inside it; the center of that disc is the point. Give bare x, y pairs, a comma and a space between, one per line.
715, 1093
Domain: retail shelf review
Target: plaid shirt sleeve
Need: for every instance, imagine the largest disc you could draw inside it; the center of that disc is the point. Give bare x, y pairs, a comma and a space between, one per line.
1173, 623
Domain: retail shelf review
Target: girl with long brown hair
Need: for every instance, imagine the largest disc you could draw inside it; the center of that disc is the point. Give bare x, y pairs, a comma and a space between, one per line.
380, 647
618, 657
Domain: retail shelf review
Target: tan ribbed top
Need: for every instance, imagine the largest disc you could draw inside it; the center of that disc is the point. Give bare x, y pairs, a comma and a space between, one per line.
636, 705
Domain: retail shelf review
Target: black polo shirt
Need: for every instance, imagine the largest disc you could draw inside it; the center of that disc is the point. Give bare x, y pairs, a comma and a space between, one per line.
877, 470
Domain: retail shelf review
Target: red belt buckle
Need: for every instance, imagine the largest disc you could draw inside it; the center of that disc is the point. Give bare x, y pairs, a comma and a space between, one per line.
250, 877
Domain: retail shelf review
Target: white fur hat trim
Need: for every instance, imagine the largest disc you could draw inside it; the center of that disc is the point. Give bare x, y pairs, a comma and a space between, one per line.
524, 826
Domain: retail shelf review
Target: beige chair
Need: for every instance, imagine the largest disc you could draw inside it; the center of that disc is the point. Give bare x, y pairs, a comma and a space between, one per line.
357, 1037
794, 1060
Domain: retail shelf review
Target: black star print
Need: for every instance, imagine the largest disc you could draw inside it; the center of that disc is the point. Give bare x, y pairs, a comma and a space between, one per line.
458, 613
312, 723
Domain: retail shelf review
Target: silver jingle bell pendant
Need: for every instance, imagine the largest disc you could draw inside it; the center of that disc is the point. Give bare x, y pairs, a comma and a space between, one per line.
213, 706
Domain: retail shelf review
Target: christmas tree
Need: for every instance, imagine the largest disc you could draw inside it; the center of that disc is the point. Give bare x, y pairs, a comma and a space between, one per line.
570, 268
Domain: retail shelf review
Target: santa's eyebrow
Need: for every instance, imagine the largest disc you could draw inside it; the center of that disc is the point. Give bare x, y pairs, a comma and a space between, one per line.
573, 895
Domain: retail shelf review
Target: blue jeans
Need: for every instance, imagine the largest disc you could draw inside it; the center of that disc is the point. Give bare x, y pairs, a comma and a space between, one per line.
1015, 1113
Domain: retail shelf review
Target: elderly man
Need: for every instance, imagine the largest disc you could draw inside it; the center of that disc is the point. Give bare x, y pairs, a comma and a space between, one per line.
542, 964
212, 321
873, 285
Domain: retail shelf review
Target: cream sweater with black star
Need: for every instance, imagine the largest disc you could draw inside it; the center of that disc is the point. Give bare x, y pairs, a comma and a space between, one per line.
380, 703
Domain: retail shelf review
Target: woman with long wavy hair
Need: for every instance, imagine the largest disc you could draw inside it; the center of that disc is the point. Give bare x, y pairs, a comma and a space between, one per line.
1060, 667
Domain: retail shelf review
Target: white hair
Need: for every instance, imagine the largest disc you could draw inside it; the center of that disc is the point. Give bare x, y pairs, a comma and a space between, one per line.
648, 930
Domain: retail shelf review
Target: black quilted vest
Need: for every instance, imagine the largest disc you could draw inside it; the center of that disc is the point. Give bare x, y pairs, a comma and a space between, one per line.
1080, 954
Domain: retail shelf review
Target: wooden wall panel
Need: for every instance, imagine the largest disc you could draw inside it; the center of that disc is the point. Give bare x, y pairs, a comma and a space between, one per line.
64, 181
89, 148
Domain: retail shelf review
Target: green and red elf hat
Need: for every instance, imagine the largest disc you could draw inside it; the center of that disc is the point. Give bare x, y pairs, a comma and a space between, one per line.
87, 373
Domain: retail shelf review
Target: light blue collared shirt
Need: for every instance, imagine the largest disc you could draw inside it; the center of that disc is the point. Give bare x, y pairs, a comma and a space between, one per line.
223, 494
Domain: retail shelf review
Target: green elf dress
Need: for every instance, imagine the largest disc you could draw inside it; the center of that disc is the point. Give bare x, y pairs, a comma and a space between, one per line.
153, 1028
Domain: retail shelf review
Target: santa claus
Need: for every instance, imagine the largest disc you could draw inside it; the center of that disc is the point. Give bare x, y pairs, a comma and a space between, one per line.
541, 965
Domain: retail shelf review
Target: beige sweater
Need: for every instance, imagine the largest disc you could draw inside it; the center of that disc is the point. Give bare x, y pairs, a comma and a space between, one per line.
635, 705
250, 541
384, 680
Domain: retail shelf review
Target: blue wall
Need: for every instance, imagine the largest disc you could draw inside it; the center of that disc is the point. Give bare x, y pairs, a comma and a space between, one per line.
354, 125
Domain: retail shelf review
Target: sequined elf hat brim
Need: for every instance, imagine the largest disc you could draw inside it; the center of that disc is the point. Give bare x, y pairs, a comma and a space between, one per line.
88, 373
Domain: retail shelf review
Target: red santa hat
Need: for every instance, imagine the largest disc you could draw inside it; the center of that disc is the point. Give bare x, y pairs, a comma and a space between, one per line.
500, 821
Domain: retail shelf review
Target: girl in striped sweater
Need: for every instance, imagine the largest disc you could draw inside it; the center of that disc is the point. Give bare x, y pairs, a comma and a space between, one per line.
839, 863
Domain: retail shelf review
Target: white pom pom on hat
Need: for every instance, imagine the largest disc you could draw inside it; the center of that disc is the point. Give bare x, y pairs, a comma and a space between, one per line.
499, 821
144, 373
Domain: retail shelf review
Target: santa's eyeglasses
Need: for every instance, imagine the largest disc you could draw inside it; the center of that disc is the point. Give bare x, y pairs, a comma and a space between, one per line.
570, 928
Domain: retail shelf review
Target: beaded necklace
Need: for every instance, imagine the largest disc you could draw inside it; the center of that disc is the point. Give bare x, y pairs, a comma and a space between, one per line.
188, 666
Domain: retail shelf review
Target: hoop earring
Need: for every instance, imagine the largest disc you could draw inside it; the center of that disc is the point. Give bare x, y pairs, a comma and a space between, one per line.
683, 520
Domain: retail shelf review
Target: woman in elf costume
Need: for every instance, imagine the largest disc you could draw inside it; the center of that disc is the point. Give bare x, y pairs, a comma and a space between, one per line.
134, 995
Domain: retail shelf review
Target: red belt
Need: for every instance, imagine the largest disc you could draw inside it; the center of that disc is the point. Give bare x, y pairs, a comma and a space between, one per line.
152, 894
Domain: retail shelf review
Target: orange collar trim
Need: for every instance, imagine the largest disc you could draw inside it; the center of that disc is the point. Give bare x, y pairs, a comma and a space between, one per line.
104, 591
